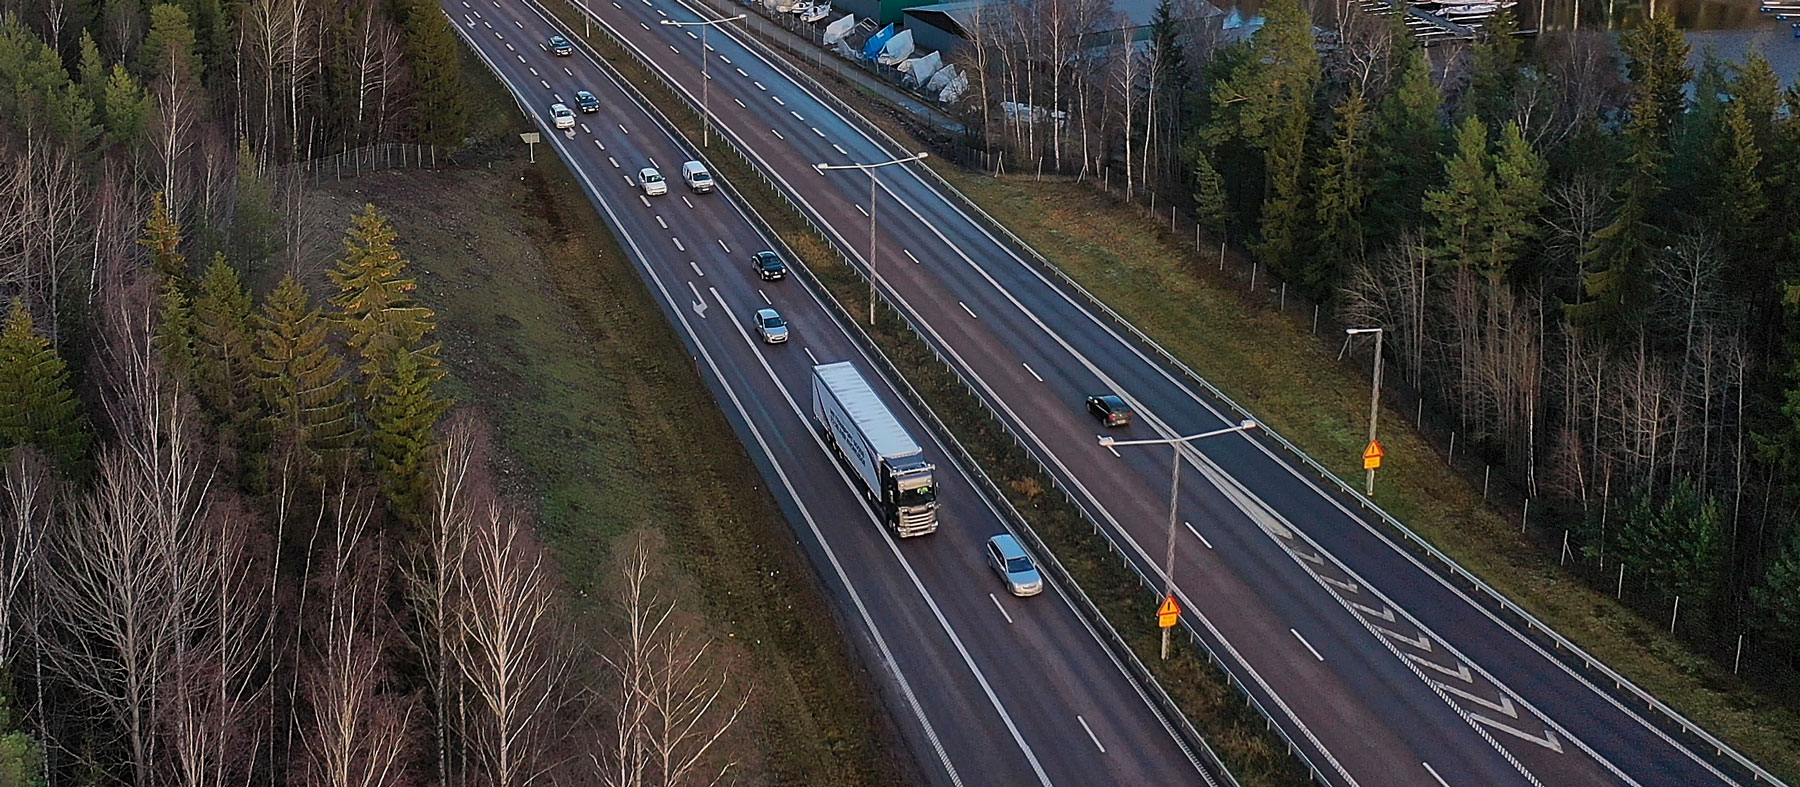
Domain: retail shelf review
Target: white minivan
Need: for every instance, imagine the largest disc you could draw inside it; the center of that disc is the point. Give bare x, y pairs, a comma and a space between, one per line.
697, 178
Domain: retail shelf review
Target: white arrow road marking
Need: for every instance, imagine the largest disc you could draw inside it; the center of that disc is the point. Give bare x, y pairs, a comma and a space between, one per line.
1384, 613
1422, 642
699, 302
1347, 587
1548, 741
1196, 532
1461, 672
1505, 705
1309, 557
1002, 608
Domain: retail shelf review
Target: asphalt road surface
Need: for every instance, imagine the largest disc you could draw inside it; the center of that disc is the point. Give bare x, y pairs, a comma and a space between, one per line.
1381, 672
986, 688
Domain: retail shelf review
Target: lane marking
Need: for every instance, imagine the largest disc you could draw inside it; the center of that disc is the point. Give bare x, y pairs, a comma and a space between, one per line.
817, 131
1549, 740
653, 162
860, 209
678, 246
615, 162
624, 129
723, 246
696, 267
777, 134
546, 83
520, 24
840, 148
1504, 706
567, 71
1434, 774
659, 220
645, 199
689, 32
797, 116
584, 130
1002, 609
509, 48
1091, 735
521, 58
909, 256
741, 73
778, 101
967, 309
726, 59
533, 71
759, 85
1309, 647
673, 49
810, 356
1196, 532
684, 201
1460, 673
739, 103
765, 297
1033, 374
642, 25
559, 100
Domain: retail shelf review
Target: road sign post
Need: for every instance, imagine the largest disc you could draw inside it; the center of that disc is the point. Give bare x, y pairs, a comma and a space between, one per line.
1167, 616
531, 139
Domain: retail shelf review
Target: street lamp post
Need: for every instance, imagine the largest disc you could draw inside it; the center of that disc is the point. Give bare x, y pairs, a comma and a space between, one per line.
1374, 398
1174, 495
705, 74
870, 168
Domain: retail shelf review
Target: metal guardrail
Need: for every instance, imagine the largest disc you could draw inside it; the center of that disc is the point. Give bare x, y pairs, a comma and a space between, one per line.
1193, 741
1532, 623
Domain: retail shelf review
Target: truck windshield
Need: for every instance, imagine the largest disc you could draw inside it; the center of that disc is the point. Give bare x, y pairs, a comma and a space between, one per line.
918, 496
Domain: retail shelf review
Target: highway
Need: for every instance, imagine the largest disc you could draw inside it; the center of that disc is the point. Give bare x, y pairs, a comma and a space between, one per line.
985, 688
1379, 670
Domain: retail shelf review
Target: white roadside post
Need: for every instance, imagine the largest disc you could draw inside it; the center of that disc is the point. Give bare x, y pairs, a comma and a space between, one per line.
870, 168
1174, 497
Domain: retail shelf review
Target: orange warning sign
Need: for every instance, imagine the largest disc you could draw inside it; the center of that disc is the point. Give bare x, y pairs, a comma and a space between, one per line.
1169, 613
1372, 455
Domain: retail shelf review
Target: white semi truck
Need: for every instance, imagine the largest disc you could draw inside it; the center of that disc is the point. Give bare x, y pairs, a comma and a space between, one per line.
887, 462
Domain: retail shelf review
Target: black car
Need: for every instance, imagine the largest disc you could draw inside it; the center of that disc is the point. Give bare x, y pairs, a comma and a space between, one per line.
561, 46
768, 265
586, 102
1110, 409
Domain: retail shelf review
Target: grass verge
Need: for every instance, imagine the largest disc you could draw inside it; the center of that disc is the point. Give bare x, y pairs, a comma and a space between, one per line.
1237, 733
1272, 365
548, 329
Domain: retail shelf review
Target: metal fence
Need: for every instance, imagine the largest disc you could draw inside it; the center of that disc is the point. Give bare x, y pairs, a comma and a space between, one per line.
368, 158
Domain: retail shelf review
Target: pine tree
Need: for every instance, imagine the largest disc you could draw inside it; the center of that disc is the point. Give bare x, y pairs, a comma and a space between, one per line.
255, 226
223, 334
1405, 140
431, 51
1679, 546
162, 236
1739, 207
174, 340
91, 69
1777, 598
1212, 206
1341, 194
1519, 177
125, 107
169, 44
401, 418
1496, 75
1759, 90
1460, 212
37, 405
375, 305
298, 375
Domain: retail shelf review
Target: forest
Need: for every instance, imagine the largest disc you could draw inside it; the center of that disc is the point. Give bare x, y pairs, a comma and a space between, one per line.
247, 538
1581, 246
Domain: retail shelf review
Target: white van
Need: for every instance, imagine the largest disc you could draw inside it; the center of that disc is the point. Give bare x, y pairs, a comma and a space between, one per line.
697, 178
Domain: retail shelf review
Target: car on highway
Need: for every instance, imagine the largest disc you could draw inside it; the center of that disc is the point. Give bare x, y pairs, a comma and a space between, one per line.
697, 177
561, 47
1109, 409
652, 181
561, 117
768, 265
586, 102
770, 326
1008, 559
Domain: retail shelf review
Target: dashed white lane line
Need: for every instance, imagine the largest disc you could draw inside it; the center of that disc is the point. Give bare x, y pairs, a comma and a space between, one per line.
1309, 647
863, 211
653, 162
598, 144
696, 267
678, 246
534, 72
546, 84
673, 49
1002, 609
741, 73
663, 224
777, 134
620, 7
520, 24
765, 297
820, 133
759, 85
723, 246
1196, 532
967, 309
584, 130
521, 58
615, 162
559, 100
689, 32
624, 129
778, 101
497, 34
740, 103
909, 256
1091, 735
642, 25
642, 198
660, 12
509, 48
1434, 774
684, 201
1034, 375
797, 116
567, 71
840, 148
726, 59
810, 356
629, 183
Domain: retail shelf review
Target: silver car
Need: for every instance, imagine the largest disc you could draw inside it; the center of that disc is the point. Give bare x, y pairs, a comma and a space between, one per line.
1008, 559
770, 326
652, 181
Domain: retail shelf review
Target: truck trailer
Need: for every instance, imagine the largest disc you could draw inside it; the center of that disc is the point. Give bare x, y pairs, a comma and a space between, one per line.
888, 464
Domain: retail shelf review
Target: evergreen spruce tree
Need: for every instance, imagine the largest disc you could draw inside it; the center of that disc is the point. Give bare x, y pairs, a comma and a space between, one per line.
298, 375
37, 405
375, 305
169, 44
125, 108
431, 51
1679, 545
1406, 139
91, 70
163, 238
1341, 195
1759, 90
1212, 205
1496, 74
401, 417
1739, 208
223, 335
256, 224
1777, 598
1519, 177
174, 341
1460, 212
